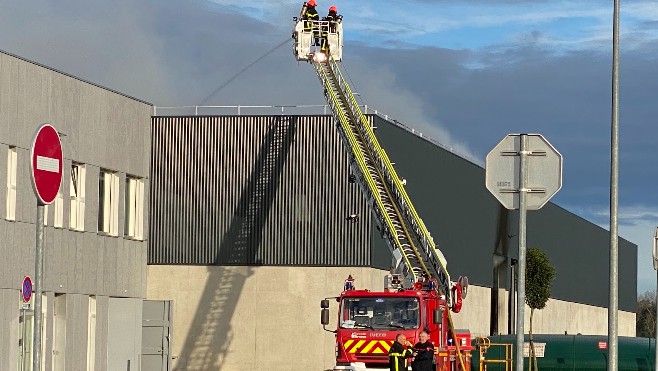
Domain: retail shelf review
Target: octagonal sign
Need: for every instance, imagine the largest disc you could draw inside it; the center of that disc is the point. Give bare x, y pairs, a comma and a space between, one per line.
544, 171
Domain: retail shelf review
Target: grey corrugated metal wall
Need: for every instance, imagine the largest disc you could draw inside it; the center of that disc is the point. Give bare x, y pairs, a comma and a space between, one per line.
273, 190
469, 225
270, 190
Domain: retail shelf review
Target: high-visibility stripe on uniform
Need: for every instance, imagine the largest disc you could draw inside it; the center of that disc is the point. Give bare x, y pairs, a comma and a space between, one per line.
395, 360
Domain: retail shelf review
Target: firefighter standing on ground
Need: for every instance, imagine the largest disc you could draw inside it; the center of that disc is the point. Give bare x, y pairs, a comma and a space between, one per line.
399, 352
423, 354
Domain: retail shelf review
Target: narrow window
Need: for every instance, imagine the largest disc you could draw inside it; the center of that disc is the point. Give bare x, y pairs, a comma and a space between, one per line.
59, 332
108, 202
77, 187
91, 335
11, 184
58, 206
134, 208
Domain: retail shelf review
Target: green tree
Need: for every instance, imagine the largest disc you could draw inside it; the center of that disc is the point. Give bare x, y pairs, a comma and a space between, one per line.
645, 320
539, 274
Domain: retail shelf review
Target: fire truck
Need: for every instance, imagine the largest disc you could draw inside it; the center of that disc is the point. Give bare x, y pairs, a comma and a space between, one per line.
418, 294
369, 321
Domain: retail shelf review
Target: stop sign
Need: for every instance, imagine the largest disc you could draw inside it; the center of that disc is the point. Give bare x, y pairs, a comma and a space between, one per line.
46, 164
544, 174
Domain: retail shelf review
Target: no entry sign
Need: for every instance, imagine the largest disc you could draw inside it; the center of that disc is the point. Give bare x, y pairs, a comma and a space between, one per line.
46, 164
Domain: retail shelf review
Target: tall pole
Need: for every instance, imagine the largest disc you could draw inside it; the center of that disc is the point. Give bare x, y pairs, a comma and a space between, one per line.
655, 266
614, 196
38, 279
520, 306
511, 326
23, 345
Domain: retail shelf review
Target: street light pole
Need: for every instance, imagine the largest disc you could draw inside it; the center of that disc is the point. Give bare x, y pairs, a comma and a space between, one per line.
655, 266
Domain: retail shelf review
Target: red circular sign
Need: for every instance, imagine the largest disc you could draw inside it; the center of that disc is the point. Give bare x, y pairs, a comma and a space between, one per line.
46, 165
27, 289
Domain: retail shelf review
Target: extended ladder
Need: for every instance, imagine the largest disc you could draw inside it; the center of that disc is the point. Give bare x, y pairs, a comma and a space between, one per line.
395, 214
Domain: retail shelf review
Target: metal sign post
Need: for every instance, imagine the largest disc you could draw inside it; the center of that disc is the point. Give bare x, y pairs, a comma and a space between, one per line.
520, 308
46, 172
38, 275
523, 172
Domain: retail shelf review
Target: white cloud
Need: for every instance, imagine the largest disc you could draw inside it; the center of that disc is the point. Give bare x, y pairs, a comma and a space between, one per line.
564, 25
641, 232
402, 105
632, 214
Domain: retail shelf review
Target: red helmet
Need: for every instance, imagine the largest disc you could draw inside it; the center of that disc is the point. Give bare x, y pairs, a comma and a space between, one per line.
312, 3
333, 9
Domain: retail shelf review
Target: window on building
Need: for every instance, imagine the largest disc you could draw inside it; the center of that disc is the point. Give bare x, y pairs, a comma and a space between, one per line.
59, 332
11, 184
77, 189
58, 206
134, 223
91, 335
108, 202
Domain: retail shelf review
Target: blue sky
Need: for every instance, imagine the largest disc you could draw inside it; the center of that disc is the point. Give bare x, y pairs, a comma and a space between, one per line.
464, 73
560, 25
496, 33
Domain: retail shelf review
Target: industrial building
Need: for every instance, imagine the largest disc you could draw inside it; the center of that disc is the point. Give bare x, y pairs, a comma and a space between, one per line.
252, 224
95, 237
207, 242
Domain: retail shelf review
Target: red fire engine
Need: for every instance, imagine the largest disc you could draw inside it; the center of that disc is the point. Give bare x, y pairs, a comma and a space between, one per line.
368, 322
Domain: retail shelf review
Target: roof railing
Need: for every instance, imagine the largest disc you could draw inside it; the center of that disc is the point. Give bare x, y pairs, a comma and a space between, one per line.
304, 109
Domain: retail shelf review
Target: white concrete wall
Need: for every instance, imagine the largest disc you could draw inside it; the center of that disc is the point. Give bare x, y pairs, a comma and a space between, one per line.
560, 316
260, 318
557, 317
9, 313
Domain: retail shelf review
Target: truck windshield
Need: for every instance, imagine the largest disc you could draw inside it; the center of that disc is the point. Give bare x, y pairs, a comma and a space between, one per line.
379, 313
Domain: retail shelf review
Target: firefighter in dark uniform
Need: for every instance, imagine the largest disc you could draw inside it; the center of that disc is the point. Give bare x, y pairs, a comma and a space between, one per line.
309, 16
332, 18
399, 352
423, 354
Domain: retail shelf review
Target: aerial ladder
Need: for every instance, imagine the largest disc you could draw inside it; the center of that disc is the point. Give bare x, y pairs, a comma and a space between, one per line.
411, 244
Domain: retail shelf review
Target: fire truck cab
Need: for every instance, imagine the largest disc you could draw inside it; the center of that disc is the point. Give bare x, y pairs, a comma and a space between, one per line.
369, 321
